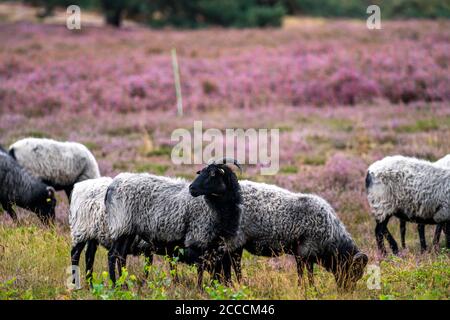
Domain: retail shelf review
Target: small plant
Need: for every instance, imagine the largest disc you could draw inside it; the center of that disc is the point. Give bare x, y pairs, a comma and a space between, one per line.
123, 290
217, 291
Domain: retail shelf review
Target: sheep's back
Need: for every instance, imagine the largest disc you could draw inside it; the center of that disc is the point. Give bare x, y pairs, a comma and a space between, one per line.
59, 163
275, 217
149, 205
415, 188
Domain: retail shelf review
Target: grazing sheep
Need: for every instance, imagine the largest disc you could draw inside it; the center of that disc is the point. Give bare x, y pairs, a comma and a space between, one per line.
410, 189
19, 187
170, 213
276, 221
88, 223
443, 163
59, 164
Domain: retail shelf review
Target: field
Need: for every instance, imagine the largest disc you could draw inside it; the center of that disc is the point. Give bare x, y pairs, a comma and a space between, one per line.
341, 95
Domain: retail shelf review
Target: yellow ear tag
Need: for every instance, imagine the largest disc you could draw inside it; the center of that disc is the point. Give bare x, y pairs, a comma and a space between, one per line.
49, 200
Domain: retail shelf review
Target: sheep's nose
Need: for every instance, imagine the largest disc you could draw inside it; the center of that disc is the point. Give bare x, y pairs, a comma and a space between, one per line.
193, 191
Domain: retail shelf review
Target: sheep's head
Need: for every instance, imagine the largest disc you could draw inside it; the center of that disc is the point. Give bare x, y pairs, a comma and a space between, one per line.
350, 270
217, 179
45, 206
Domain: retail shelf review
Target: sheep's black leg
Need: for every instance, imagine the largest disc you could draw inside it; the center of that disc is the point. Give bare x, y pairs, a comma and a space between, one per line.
447, 234
236, 263
403, 232
112, 257
379, 229
90, 257
423, 242
75, 255
390, 239
200, 268
226, 267
68, 191
437, 235
300, 269
10, 210
310, 269
123, 250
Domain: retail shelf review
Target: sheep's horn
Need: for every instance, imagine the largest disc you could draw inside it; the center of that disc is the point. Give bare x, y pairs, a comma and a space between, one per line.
226, 160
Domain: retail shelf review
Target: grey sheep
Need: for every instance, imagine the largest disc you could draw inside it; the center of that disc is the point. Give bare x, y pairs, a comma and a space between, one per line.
443, 163
19, 187
87, 220
276, 221
410, 189
59, 164
169, 212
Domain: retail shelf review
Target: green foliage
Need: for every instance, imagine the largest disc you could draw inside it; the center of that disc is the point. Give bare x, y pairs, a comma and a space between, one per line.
218, 291
357, 8
245, 13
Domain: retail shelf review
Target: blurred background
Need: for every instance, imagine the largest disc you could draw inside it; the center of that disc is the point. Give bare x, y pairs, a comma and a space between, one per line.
239, 13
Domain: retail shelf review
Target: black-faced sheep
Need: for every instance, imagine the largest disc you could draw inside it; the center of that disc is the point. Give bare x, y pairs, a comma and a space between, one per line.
410, 189
276, 221
19, 187
59, 164
169, 212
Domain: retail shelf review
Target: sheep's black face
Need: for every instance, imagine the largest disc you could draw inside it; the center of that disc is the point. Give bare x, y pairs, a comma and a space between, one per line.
45, 209
210, 181
350, 271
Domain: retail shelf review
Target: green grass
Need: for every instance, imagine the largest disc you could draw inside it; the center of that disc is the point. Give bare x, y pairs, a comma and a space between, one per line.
34, 264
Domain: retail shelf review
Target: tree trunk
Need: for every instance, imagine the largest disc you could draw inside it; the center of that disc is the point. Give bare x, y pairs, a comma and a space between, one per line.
114, 17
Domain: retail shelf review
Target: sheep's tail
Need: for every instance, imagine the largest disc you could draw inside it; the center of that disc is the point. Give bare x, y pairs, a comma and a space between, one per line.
369, 180
117, 217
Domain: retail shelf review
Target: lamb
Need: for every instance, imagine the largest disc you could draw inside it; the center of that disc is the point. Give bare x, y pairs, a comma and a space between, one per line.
59, 164
443, 163
88, 223
410, 189
169, 212
276, 221
19, 187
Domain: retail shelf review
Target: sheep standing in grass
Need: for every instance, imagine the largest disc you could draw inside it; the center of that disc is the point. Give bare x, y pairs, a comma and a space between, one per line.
88, 223
443, 163
19, 187
276, 221
59, 164
410, 189
170, 212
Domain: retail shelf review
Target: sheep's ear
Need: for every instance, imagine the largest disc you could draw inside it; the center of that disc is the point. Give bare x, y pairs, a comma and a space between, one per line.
50, 192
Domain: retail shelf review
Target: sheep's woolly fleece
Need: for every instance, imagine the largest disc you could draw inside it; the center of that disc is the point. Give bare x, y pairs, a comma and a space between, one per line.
417, 188
58, 163
275, 218
159, 209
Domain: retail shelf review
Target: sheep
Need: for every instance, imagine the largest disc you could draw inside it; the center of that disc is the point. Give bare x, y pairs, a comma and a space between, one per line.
88, 223
276, 221
410, 189
443, 163
169, 212
59, 164
19, 187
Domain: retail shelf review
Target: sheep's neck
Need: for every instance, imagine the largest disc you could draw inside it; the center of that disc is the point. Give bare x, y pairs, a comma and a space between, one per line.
228, 212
